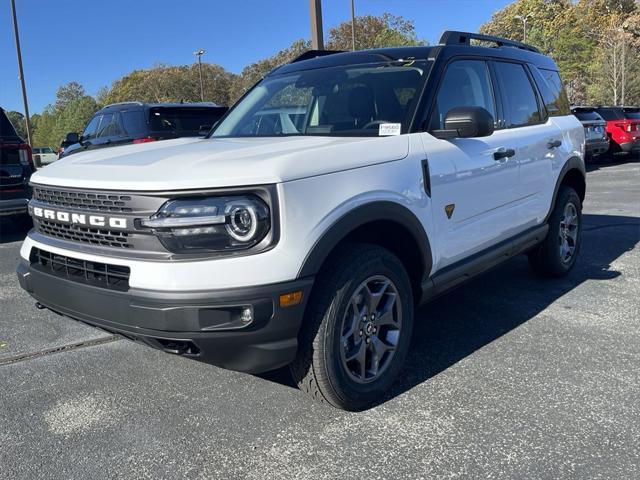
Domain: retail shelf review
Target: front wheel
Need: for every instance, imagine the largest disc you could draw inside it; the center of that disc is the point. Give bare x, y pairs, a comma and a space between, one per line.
557, 254
357, 329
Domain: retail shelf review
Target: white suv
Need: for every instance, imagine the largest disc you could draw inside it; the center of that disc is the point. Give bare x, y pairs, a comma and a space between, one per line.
338, 194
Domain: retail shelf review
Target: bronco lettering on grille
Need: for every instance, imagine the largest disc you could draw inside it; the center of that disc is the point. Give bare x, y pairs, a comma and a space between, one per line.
80, 218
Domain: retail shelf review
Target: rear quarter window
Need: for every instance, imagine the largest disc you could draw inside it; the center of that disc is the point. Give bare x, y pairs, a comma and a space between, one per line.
553, 93
6, 128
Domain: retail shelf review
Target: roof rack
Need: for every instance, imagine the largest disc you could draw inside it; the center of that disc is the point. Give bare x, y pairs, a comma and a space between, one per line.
123, 103
314, 54
464, 38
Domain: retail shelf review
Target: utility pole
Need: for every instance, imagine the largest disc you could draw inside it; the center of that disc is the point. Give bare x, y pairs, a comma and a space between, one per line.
353, 25
315, 7
21, 74
199, 54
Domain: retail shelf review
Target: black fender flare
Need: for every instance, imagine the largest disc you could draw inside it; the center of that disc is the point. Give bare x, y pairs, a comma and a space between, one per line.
367, 213
574, 163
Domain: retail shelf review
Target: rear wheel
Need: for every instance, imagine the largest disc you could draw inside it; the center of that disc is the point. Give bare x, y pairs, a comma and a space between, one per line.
357, 329
557, 254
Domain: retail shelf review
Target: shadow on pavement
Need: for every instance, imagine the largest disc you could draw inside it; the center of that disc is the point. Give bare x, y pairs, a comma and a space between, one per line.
14, 228
457, 324
606, 161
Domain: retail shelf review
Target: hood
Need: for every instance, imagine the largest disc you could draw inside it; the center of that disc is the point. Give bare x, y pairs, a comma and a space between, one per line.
190, 163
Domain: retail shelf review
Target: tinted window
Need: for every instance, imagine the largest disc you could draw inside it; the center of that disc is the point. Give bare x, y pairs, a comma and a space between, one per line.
553, 93
6, 128
587, 115
633, 114
133, 123
106, 127
91, 128
611, 113
183, 121
466, 83
520, 103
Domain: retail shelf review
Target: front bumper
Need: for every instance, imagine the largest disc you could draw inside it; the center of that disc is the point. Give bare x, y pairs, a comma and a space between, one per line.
199, 324
14, 206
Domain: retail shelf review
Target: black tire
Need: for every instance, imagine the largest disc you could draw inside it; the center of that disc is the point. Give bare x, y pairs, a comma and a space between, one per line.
320, 369
547, 259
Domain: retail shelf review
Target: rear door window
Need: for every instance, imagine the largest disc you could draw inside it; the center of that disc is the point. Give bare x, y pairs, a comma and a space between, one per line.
133, 122
519, 99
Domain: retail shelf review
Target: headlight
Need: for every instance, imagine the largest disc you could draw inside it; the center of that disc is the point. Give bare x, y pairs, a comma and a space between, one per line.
211, 224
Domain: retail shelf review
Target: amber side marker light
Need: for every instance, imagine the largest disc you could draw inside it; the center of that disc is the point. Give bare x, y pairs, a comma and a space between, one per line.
290, 299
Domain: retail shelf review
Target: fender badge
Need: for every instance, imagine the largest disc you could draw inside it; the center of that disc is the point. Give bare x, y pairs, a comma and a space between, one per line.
448, 209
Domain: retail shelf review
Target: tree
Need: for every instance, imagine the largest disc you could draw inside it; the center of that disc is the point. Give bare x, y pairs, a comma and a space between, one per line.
164, 83
256, 71
592, 42
374, 32
67, 94
17, 120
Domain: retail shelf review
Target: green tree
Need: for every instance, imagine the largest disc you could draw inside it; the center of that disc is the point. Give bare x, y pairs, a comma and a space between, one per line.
256, 71
386, 30
164, 83
67, 94
17, 120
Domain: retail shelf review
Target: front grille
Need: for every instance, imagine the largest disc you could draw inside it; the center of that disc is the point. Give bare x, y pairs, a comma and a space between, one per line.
93, 236
101, 202
104, 275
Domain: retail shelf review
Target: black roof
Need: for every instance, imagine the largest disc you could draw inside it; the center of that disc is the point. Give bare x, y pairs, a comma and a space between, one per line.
451, 44
133, 105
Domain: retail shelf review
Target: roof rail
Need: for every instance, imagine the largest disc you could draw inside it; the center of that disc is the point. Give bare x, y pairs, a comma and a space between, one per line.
464, 38
314, 54
123, 103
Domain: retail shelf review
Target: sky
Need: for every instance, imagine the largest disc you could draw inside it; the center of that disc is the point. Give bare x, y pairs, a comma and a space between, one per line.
96, 42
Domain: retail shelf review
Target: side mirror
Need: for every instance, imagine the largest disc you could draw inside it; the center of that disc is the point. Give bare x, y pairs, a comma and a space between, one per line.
204, 129
466, 122
71, 138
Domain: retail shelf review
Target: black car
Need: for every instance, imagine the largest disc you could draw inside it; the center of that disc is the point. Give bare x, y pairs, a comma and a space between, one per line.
16, 167
135, 122
595, 131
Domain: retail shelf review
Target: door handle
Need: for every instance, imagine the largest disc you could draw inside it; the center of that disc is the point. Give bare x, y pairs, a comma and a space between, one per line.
503, 153
554, 144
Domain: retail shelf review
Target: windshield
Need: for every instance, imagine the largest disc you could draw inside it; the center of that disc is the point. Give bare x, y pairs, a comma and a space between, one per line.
352, 100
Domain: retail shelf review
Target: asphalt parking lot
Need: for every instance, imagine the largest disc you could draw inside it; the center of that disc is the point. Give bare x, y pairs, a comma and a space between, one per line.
510, 376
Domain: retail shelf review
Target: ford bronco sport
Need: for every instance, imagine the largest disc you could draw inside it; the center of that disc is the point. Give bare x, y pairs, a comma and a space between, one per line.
338, 194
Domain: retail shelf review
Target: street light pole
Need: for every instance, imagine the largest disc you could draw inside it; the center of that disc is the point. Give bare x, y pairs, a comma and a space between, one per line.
353, 25
199, 54
524, 19
21, 74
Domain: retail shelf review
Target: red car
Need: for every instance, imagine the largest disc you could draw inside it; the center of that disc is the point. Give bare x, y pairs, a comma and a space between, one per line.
623, 128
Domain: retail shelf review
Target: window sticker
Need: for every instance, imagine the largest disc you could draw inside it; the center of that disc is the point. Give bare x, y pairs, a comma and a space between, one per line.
387, 129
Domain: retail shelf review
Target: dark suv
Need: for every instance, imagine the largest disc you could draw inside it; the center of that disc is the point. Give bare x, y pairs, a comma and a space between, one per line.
135, 122
16, 167
595, 131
